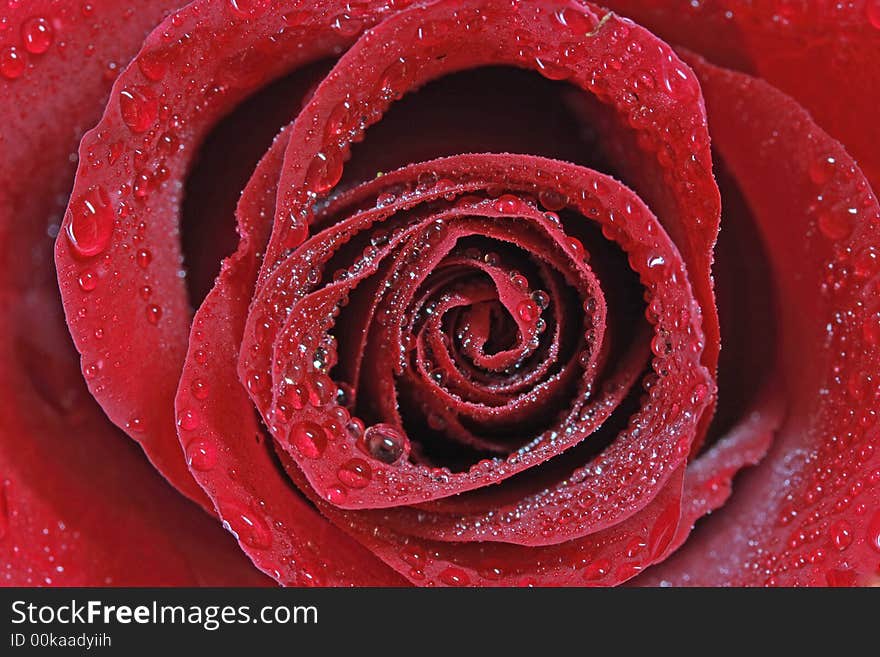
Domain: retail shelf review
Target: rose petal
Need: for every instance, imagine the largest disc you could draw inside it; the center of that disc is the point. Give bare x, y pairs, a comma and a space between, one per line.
78, 506
805, 516
125, 174
777, 43
280, 531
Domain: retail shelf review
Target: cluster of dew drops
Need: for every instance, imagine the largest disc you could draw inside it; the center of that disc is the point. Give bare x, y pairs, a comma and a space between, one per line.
35, 36
831, 487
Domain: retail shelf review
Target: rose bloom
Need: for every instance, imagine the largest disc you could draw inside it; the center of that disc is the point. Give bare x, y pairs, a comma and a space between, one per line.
440, 292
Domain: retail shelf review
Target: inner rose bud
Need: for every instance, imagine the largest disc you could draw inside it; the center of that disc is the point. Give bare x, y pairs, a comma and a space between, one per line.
438, 259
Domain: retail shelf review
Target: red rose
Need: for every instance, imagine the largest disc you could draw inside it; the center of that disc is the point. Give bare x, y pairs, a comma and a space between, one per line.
476, 329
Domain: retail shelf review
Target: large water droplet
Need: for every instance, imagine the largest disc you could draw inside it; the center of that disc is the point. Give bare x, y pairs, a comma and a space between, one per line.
139, 108
309, 438
90, 222
528, 310
200, 388
12, 63
336, 494
575, 20
453, 576
87, 280
355, 473
246, 524
188, 420
37, 35
866, 262
841, 534
143, 258
324, 172
385, 443
201, 454
154, 313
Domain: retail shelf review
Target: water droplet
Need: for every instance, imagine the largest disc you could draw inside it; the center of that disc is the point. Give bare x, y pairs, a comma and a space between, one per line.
199, 388
520, 281
297, 232
385, 443
324, 172
154, 313
12, 63
322, 390
256, 383
139, 108
143, 258
552, 70
337, 121
426, 180
355, 473
188, 420
201, 454
246, 524
676, 82
528, 310
296, 395
577, 246
88, 280
659, 346
866, 263
309, 438
336, 494
508, 204
575, 20
841, 534
90, 222
453, 576
37, 35
541, 298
